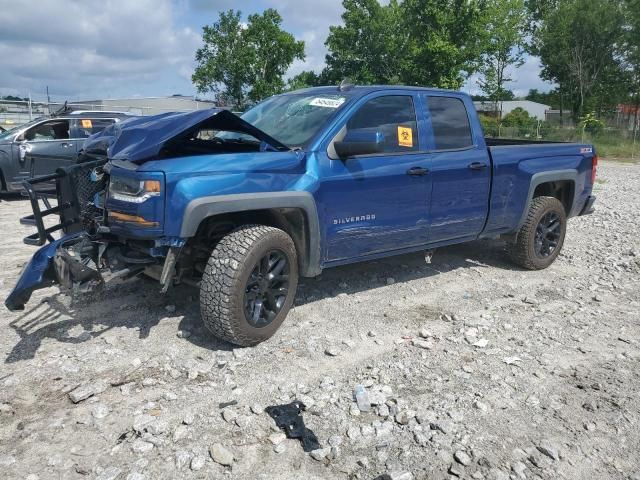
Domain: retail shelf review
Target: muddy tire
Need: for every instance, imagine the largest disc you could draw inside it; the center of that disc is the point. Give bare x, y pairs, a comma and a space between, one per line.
540, 239
249, 284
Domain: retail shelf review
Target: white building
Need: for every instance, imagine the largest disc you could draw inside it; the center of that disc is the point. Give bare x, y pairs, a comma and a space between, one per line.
146, 105
534, 109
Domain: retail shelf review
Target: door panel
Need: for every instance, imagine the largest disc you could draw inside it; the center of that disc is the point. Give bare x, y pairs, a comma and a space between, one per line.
46, 156
377, 203
461, 171
22, 169
49, 146
370, 204
460, 194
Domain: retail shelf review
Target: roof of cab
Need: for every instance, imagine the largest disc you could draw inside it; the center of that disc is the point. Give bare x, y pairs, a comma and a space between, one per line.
361, 90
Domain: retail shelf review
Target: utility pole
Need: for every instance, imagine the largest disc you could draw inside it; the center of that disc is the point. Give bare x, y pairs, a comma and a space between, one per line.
30, 109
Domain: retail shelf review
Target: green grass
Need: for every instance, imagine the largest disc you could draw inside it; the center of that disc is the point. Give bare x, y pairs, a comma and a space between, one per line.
619, 149
609, 146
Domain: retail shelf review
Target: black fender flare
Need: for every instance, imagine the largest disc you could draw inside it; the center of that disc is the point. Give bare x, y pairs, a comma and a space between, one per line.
545, 177
199, 209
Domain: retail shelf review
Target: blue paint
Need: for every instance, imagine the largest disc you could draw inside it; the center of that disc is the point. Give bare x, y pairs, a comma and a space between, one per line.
35, 274
368, 206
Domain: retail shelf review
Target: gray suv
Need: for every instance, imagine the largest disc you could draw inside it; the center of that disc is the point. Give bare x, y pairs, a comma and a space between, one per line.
42, 145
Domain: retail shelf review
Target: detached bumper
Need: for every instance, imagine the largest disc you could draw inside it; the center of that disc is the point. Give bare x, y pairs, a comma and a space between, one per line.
77, 263
588, 205
38, 273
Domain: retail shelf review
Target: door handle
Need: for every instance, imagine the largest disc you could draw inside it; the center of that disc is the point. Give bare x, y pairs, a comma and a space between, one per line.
66, 145
417, 171
477, 165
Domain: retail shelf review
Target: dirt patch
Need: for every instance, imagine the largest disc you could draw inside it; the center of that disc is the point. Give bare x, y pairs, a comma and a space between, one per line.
475, 368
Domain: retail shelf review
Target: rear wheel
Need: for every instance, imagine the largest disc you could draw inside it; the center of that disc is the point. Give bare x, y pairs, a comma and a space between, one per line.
540, 239
249, 284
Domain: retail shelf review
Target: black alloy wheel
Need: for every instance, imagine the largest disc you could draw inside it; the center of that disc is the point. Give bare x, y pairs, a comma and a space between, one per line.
267, 288
249, 284
548, 234
539, 240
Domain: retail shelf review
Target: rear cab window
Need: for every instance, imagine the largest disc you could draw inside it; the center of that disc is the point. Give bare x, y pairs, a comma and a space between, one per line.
449, 123
392, 115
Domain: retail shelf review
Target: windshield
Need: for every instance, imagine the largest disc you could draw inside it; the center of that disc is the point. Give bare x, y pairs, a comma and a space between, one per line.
292, 119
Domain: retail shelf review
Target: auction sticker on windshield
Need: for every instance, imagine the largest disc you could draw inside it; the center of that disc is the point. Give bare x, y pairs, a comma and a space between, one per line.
327, 102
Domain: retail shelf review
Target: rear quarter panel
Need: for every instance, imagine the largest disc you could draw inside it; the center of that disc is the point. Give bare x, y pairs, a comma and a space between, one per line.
518, 169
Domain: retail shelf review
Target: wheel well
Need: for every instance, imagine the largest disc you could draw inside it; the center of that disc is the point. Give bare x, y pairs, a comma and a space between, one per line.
3, 184
563, 190
292, 220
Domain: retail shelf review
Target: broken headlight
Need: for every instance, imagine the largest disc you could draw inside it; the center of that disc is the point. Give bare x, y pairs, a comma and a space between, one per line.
127, 189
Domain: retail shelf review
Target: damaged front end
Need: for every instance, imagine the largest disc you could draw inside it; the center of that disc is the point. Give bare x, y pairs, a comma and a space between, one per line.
88, 255
110, 210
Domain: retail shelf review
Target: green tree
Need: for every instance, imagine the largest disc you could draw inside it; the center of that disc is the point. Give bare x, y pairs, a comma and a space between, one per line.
413, 42
368, 47
504, 48
304, 79
446, 40
579, 44
632, 56
245, 63
551, 98
518, 117
274, 50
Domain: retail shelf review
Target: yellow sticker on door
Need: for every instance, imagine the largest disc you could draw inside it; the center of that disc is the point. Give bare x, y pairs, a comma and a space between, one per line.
86, 123
405, 136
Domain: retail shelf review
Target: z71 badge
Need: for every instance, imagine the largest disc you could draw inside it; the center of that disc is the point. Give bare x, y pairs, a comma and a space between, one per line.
357, 218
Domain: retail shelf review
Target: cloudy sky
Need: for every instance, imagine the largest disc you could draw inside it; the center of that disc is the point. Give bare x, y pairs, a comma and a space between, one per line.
89, 49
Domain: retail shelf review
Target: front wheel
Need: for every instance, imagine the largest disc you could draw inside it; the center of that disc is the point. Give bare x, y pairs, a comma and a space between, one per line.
249, 284
540, 239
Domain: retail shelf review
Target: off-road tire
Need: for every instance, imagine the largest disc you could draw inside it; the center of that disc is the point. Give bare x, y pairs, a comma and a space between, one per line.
225, 278
521, 250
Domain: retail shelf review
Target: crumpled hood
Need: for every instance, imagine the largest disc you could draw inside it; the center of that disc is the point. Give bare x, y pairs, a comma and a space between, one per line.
140, 139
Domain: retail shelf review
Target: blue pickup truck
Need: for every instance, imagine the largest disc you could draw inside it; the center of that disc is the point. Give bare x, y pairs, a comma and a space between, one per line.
241, 207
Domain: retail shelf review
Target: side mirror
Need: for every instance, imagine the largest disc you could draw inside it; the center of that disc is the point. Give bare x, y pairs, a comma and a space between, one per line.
359, 142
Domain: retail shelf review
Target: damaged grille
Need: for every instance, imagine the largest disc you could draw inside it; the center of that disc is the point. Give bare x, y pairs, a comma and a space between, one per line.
87, 182
78, 191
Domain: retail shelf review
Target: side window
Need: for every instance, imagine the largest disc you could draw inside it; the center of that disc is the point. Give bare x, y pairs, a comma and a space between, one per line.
450, 123
394, 116
85, 127
51, 130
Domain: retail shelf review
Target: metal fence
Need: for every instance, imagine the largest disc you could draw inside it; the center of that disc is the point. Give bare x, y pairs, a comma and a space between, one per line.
17, 112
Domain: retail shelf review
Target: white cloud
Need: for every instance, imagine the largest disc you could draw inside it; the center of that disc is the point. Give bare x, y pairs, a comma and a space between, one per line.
86, 49
527, 77
309, 23
93, 47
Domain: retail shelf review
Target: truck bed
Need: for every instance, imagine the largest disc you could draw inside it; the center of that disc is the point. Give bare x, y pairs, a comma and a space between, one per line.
500, 142
519, 164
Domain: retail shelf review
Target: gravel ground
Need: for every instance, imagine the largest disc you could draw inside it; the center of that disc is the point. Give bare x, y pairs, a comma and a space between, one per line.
476, 369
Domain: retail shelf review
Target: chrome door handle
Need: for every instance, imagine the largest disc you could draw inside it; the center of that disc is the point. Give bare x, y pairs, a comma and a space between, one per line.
417, 171
477, 165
